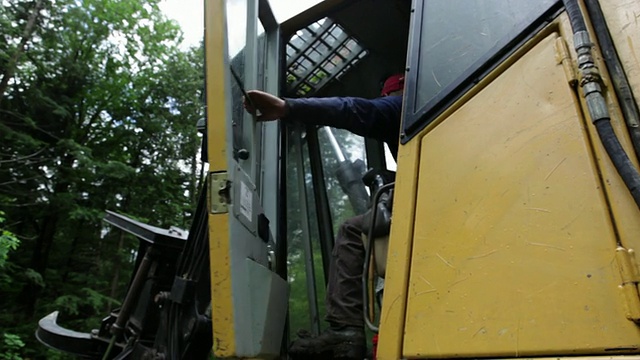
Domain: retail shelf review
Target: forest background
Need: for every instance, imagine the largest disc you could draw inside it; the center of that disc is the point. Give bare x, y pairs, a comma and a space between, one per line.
98, 111
99, 101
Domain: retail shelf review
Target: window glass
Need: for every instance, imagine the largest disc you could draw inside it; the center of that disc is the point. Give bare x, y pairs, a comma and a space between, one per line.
299, 302
343, 152
236, 40
455, 34
389, 159
262, 55
317, 54
260, 28
314, 229
236, 26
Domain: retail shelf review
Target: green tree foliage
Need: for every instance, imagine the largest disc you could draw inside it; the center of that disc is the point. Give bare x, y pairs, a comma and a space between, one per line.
8, 242
98, 112
352, 147
12, 344
299, 303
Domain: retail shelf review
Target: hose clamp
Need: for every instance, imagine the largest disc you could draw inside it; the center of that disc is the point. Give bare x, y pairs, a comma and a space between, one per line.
581, 40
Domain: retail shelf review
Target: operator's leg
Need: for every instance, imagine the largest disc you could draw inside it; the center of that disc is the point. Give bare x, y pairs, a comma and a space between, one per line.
345, 337
344, 291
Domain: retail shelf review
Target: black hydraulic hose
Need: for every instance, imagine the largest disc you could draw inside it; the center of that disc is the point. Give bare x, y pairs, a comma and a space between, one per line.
349, 174
619, 157
367, 257
133, 295
131, 299
196, 247
596, 104
619, 79
575, 16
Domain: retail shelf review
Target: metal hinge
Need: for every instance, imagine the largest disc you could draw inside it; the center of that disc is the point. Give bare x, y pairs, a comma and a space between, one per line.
219, 192
563, 57
630, 278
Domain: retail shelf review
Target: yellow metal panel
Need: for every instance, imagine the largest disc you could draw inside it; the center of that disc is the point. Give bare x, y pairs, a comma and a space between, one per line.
399, 255
215, 40
401, 240
513, 247
221, 300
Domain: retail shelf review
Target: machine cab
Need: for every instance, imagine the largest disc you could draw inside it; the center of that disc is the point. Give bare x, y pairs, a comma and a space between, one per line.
516, 231
283, 189
516, 191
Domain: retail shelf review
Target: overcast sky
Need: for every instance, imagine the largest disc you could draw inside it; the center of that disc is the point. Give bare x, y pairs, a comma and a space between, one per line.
190, 14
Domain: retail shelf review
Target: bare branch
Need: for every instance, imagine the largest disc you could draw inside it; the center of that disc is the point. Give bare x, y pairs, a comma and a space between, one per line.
23, 205
16, 181
24, 157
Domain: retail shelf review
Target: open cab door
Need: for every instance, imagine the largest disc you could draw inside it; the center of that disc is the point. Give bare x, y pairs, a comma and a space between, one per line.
518, 235
248, 298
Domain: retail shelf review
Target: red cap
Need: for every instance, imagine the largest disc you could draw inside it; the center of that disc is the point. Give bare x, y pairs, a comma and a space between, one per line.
393, 83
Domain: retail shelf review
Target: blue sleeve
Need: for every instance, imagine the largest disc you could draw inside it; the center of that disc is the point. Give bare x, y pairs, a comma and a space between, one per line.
373, 118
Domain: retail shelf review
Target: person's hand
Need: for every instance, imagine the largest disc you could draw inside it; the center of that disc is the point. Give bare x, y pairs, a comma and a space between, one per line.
269, 107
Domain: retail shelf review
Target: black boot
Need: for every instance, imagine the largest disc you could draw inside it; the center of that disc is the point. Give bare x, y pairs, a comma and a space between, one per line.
333, 343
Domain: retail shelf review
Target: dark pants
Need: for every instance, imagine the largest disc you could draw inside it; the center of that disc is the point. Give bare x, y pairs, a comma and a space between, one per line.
344, 290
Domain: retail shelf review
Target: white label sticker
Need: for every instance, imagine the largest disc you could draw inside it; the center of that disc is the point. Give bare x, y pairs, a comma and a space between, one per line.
246, 201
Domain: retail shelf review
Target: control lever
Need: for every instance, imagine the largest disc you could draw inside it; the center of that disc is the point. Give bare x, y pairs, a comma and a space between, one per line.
239, 151
373, 179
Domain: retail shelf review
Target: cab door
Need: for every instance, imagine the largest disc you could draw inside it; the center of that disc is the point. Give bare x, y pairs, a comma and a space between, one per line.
520, 233
248, 298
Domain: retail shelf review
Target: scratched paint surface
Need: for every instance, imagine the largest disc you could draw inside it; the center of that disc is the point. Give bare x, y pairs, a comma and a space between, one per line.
513, 249
623, 19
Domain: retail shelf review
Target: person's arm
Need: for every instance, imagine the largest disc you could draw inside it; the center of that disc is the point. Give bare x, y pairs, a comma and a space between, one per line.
375, 118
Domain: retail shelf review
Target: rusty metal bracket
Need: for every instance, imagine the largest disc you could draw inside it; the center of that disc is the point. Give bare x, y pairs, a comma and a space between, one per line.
219, 192
630, 278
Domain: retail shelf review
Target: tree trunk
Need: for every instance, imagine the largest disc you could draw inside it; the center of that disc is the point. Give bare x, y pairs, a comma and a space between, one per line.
39, 260
26, 35
44, 241
72, 254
